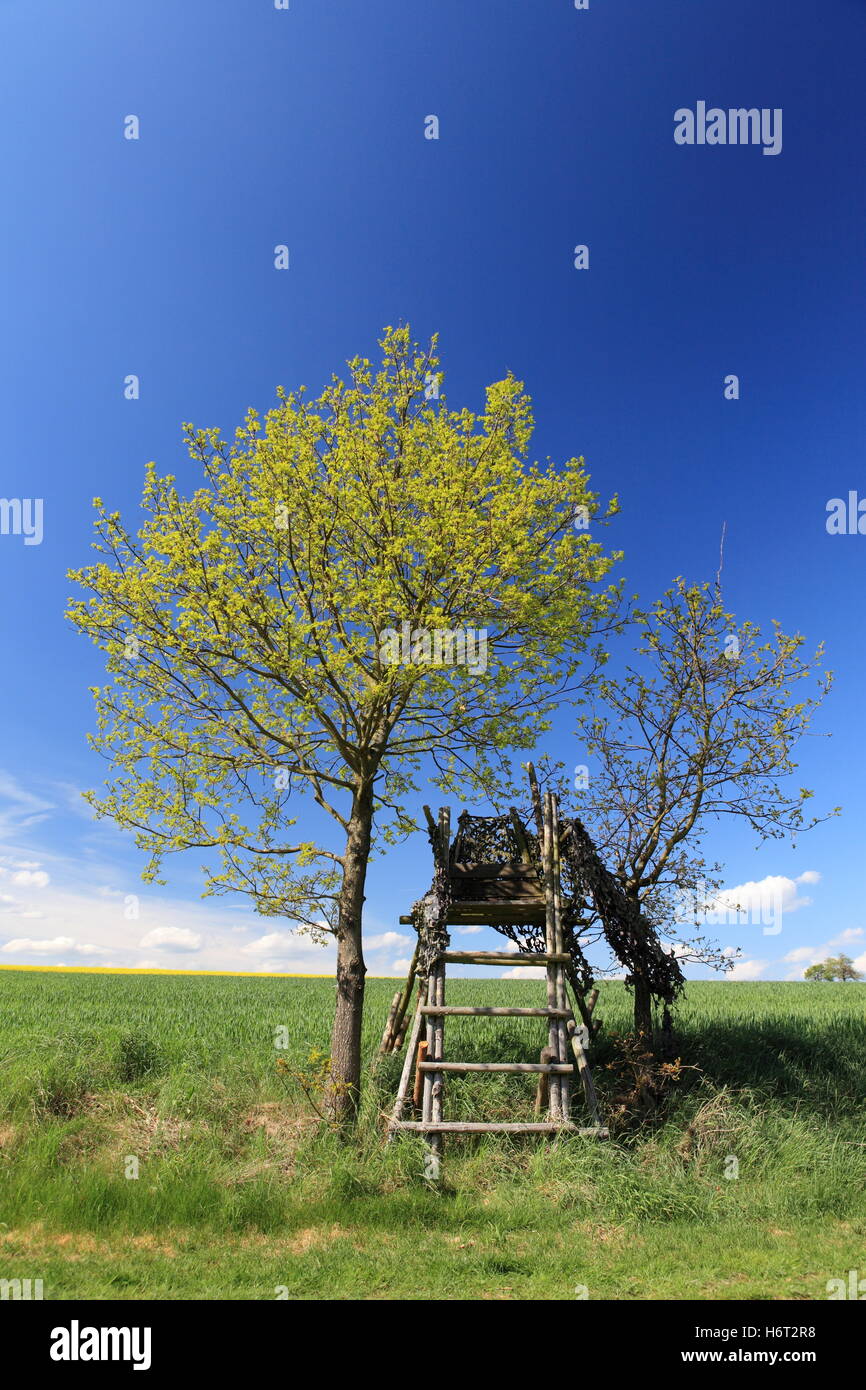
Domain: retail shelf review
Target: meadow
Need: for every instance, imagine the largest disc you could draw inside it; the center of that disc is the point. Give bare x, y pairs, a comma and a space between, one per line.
745, 1179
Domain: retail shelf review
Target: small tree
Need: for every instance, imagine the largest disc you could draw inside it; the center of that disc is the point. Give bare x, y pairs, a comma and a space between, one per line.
296, 624
834, 968
703, 727
822, 971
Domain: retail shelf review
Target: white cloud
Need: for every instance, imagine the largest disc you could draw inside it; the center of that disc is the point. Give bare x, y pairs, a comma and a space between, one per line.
284, 953
401, 967
29, 878
76, 900
387, 940
525, 972
747, 970
25, 945
275, 943
802, 953
84, 902
468, 931
38, 948
812, 955
760, 902
172, 939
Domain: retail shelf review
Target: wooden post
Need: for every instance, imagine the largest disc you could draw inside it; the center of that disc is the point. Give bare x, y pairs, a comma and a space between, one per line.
420, 1056
578, 995
542, 1089
399, 1103
427, 1090
554, 1090
402, 1004
435, 1140
445, 835
520, 836
431, 826
585, 1074
561, 995
536, 801
387, 1042
434, 1081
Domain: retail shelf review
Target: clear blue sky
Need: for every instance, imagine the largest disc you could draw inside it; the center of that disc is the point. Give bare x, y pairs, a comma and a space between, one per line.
306, 127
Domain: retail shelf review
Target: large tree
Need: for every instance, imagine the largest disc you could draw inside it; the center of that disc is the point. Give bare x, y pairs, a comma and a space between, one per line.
701, 725
309, 619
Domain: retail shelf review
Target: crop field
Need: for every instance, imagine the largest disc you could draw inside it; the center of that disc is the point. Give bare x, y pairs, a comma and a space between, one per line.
159, 1137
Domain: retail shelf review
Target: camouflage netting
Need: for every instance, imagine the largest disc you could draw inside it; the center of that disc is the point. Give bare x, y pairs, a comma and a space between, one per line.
630, 935
429, 919
431, 913
590, 894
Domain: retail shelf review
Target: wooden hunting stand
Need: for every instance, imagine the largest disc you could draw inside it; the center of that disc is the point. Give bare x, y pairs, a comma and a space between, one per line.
494, 873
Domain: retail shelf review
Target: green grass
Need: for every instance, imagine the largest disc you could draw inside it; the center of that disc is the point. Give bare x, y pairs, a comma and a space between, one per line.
241, 1191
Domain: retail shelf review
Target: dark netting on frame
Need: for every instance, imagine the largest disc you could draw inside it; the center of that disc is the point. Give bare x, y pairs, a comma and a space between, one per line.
590, 894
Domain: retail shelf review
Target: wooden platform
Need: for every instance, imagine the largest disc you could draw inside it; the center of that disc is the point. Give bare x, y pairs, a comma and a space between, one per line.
495, 895
503, 958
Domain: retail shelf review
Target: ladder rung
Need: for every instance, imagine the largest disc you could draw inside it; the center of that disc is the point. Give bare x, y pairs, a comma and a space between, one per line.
502, 958
480, 1012
558, 1067
471, 1127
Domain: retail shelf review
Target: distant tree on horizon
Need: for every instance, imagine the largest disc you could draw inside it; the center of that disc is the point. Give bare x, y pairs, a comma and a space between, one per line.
834, 968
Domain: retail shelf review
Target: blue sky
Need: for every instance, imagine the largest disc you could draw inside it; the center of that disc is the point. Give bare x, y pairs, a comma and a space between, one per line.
306, 127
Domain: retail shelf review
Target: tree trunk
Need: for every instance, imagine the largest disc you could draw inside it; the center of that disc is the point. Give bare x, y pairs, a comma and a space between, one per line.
643, 1010
668, 1042
344, 1089
643, 1004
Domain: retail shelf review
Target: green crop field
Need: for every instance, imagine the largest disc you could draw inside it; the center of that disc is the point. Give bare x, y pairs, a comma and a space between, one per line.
745, 1179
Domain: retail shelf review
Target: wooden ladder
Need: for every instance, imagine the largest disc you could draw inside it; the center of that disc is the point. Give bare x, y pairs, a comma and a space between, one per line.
564, 1033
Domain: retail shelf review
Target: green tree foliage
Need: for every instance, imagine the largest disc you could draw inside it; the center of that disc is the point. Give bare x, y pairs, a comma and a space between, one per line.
833, 968
248, 629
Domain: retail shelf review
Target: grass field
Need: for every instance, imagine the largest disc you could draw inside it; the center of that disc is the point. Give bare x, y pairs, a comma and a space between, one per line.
241, 1192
